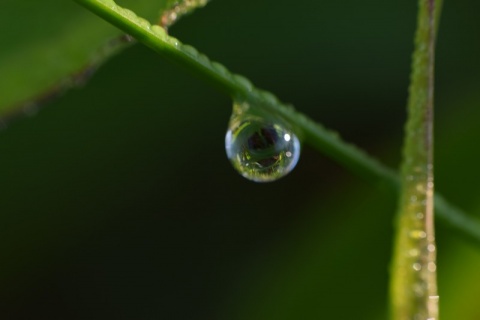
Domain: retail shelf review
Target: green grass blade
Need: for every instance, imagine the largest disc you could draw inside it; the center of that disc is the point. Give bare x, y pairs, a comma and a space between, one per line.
414, 278
320, 138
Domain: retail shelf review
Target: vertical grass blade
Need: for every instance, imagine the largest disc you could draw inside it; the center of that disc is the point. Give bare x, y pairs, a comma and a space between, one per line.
414, 284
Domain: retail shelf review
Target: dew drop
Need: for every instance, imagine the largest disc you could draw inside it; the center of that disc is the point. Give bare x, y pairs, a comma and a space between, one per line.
418, 234
144, 23
260, 149
191, 51
220, 68
414, 252
159, 31
418, 290
420, 187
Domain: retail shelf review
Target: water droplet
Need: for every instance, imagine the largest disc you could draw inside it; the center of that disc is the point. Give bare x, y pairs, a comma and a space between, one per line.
418, 234
159, 31
220, 68
243, 82
414, 252
259, 148
420, 187
191, 51
144, 23
174, 42
417, 266
418, 290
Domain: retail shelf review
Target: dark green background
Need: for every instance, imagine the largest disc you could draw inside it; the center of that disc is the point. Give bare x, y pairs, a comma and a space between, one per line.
118, 202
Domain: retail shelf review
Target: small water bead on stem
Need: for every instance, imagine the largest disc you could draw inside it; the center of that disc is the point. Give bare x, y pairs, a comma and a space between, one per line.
261, 149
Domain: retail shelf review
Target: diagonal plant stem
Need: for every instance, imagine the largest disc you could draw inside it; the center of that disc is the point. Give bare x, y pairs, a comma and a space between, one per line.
414, 278
314, 134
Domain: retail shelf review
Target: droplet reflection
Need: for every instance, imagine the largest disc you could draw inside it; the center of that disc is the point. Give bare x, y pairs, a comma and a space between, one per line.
261, 150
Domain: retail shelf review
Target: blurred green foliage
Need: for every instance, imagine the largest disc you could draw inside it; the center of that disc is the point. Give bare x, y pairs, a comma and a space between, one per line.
55, 45
118, 201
